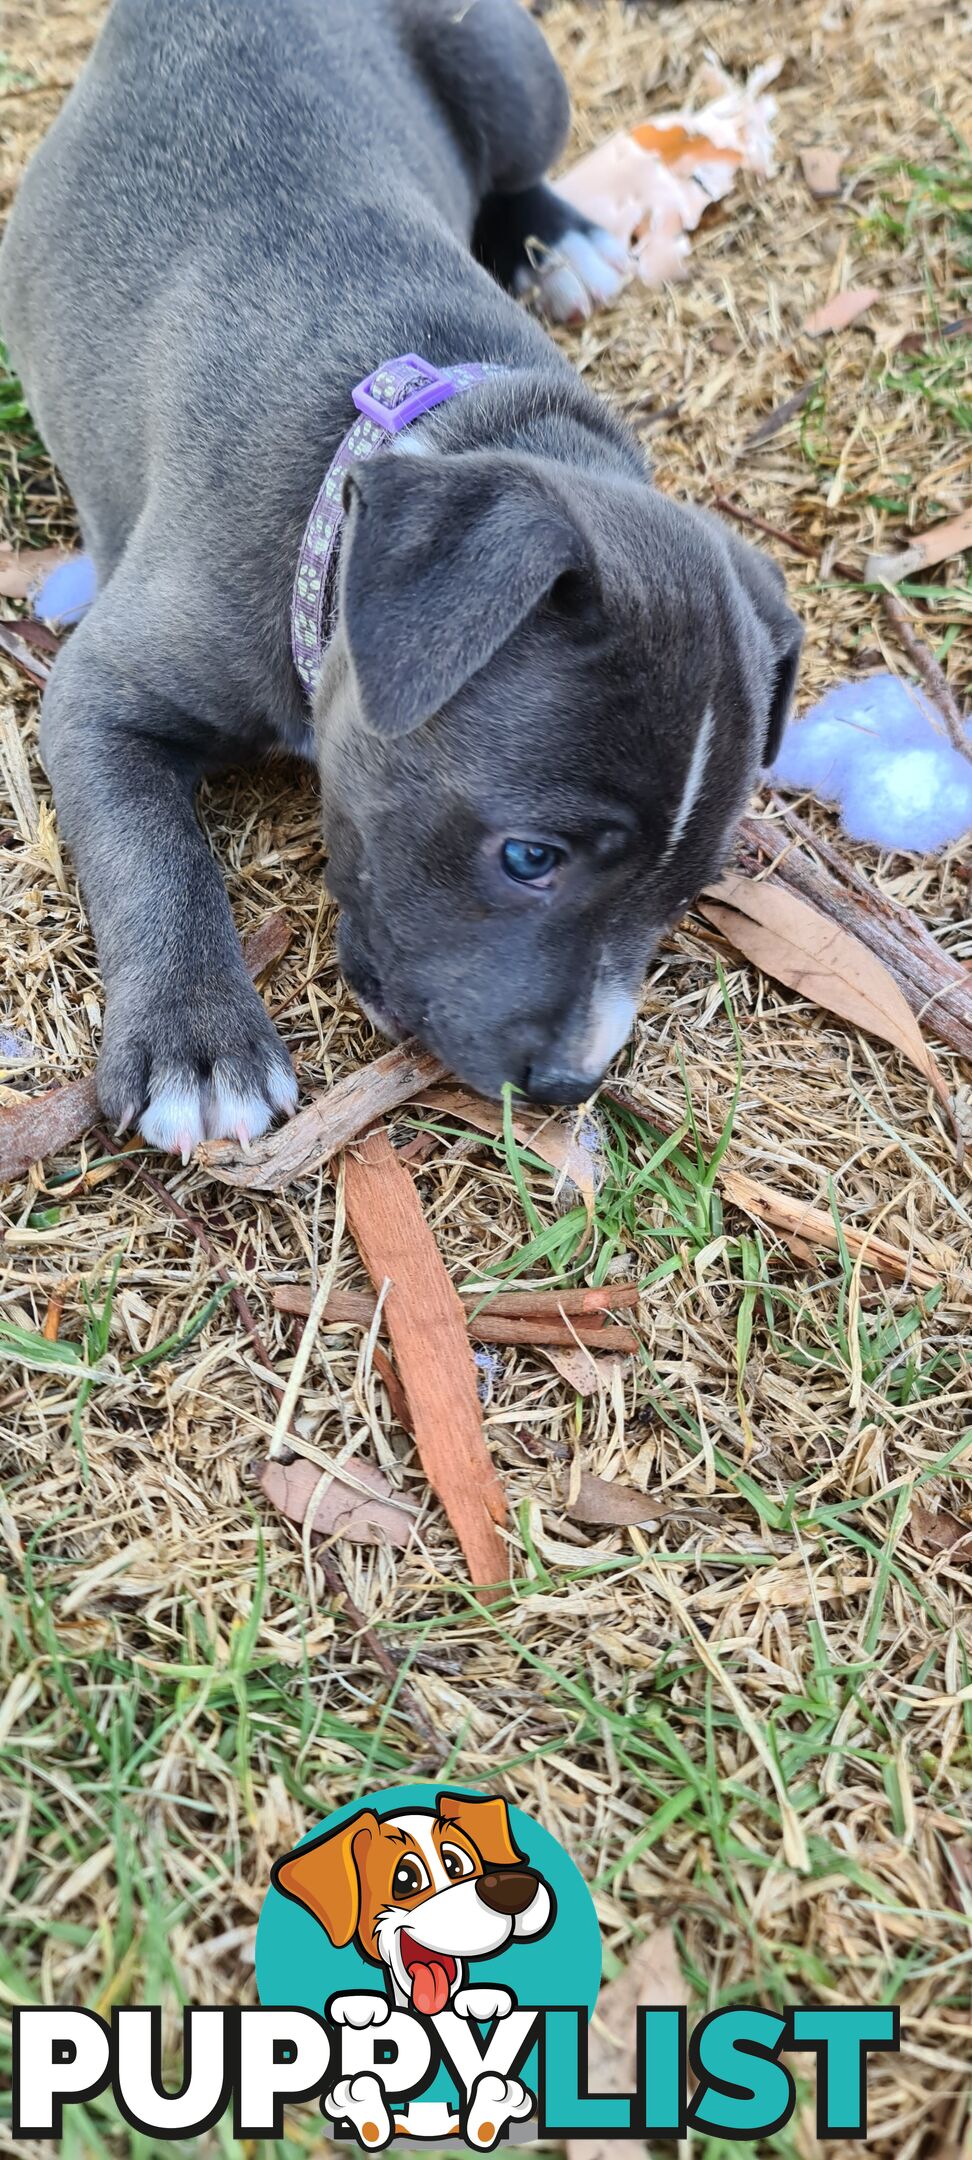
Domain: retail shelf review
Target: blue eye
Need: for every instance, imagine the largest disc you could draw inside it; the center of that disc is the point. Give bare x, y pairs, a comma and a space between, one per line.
527, 861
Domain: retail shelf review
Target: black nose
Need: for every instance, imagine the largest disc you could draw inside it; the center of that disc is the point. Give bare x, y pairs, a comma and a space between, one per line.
559, 1087
510, 1892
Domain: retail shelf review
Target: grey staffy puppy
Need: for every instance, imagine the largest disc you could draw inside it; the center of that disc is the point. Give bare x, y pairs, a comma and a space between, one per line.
547, 691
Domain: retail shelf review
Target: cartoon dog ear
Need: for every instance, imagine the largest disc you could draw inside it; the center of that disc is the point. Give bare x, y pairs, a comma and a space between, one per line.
324, 1876
486, 1823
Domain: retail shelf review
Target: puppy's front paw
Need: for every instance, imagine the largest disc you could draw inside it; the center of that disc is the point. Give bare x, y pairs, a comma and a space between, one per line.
494, 2103
203, 1067
580, 272
361, 2102
359, 2011
482, 2003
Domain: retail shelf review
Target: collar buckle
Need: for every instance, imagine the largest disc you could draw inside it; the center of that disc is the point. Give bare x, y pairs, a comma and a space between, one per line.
400, 391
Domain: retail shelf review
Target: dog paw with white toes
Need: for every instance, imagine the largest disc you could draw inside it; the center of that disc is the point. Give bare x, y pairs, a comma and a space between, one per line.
494, 2103
209, 1067
361, 2102
580, 272
359, 2011
482, 2003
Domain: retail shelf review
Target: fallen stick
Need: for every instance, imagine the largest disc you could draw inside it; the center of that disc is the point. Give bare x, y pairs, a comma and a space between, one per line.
807, 1227
334, 1117
38, 1126
357, 1309
932, 673
427, 1325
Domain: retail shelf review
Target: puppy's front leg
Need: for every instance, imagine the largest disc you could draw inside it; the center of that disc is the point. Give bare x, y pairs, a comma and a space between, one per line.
188, 1050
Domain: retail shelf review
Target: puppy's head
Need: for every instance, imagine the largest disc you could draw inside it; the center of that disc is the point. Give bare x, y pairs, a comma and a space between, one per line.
549, 695
421, 1893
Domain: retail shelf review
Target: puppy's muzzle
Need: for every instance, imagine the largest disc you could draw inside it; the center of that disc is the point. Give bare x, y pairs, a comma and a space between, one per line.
508, 1890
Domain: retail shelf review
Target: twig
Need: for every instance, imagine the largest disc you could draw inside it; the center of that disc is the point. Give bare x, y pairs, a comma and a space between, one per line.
932, 674
776, 532
533, 1329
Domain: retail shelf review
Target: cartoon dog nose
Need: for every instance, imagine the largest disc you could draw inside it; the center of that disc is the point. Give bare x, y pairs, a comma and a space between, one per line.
553, 1086
511, 1892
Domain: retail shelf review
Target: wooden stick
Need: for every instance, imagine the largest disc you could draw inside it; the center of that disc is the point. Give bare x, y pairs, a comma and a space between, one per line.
532, 1324
932, 674
333, 1117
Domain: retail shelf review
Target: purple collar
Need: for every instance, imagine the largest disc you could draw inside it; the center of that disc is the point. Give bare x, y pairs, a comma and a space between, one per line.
398, 392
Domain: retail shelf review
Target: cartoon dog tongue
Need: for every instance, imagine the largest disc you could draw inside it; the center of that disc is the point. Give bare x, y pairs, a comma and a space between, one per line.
430, 1986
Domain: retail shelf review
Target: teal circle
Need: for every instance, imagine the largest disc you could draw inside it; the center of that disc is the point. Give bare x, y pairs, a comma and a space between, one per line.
297, 1964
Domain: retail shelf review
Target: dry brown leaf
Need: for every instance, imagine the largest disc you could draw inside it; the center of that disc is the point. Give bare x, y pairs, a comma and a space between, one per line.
796, 945
806, 1229
22, 570
652, 1976
39, 1126
843, 309
821, 170
550, 1138
331, 1119
576, 1365
371, 1516
427, 1326
604, 1504
927, 549
936, 1530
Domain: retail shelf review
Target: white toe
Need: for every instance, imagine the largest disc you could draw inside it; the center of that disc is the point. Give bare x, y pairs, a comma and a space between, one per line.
564, 295
233, 1110
174, 1119
282, 1089
589, 259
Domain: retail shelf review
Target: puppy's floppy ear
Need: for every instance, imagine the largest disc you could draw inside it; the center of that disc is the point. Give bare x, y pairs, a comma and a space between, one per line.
444, 558
486, 1823
765, 587
323, 1876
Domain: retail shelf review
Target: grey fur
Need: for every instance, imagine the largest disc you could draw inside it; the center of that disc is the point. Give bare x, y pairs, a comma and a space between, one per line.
244, 206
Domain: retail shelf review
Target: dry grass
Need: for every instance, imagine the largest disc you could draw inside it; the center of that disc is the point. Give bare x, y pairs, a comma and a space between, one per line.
185, 1690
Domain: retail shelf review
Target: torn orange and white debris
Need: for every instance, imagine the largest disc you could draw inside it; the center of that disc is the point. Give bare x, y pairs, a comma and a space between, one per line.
650, 186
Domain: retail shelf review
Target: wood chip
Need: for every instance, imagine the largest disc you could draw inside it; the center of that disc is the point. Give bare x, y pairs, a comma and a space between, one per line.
653, 1976
356, 1503
604, 1504
792, 942
821, 170
843, 309
39, 1126
334, 1117
935, 546
427, 1326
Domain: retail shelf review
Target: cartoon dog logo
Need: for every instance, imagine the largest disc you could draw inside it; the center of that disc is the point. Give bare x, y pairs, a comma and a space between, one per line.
422, 1895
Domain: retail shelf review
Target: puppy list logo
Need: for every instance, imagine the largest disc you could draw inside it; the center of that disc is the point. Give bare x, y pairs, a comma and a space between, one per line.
420, 1920
427, 1963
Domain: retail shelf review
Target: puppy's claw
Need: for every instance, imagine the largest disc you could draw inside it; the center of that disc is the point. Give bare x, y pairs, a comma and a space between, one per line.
127, 1118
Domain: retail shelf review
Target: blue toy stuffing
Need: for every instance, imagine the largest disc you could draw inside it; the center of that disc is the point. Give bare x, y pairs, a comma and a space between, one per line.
878, 749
